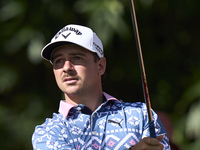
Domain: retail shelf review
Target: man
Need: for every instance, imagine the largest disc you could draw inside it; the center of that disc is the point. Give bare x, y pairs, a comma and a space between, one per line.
89, 118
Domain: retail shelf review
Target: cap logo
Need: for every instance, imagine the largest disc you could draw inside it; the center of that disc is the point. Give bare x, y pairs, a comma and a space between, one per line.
67, 29
65, 36
98, 48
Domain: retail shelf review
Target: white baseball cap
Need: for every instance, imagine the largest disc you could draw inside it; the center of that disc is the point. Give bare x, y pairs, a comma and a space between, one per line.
76, 34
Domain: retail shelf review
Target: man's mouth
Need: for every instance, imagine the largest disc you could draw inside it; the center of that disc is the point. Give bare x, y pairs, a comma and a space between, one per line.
70, 80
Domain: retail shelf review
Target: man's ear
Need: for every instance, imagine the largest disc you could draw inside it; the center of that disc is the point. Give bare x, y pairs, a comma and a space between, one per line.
102, 66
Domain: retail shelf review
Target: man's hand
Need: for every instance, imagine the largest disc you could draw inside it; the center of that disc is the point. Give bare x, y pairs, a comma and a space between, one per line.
148, 143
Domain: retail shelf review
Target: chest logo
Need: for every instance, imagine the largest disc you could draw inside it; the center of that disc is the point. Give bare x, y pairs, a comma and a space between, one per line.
119, 123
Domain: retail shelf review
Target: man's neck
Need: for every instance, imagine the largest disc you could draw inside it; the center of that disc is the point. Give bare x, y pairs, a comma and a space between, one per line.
92, 101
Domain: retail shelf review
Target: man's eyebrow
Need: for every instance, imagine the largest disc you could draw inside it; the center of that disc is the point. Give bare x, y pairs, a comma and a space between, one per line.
55, 56
77, 53
72, 54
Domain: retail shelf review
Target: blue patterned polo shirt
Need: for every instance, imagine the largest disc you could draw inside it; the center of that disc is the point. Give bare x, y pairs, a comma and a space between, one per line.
114, 125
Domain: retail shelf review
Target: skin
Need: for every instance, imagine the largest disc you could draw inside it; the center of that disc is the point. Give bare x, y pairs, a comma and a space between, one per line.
148, 143
78, 75
79, 78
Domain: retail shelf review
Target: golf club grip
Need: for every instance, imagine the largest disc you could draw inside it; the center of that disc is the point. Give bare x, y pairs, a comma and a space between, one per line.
152, 129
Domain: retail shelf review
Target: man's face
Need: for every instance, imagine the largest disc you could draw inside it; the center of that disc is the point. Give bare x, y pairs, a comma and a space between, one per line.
75, 70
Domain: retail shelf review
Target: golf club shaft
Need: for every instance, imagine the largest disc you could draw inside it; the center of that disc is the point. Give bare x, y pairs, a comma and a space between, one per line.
142, 69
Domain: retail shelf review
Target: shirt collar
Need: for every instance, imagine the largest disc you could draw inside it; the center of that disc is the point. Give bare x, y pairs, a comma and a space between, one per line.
65, 107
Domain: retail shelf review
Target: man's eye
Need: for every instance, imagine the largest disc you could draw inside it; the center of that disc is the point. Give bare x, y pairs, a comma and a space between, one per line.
77, 58
58, 61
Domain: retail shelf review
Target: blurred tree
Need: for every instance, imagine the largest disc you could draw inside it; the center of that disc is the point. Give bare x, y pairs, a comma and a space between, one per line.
169, 32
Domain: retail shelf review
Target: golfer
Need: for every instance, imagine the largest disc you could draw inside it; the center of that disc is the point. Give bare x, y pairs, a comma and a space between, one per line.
88, 118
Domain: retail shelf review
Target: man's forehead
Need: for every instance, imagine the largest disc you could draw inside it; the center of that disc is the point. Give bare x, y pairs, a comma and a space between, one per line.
70, 49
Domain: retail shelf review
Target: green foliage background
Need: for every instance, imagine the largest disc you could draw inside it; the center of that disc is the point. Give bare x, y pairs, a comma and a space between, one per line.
169, 32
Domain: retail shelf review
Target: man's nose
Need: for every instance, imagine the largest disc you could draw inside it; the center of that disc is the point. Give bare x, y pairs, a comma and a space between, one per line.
68, 66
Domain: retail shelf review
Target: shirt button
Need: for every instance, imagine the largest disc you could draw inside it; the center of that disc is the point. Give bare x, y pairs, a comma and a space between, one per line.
95, 133
78, 108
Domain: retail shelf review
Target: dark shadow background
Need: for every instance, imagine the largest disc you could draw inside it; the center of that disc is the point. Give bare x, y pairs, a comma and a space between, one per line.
169, 33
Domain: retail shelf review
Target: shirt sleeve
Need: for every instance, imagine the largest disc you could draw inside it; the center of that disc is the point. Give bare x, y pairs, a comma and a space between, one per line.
49, 136
159, 129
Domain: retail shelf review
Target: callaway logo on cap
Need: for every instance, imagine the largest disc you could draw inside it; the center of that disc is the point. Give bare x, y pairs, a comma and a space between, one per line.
76, 34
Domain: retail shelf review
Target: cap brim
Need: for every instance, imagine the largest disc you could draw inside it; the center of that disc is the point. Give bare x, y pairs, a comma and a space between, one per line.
47, 50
